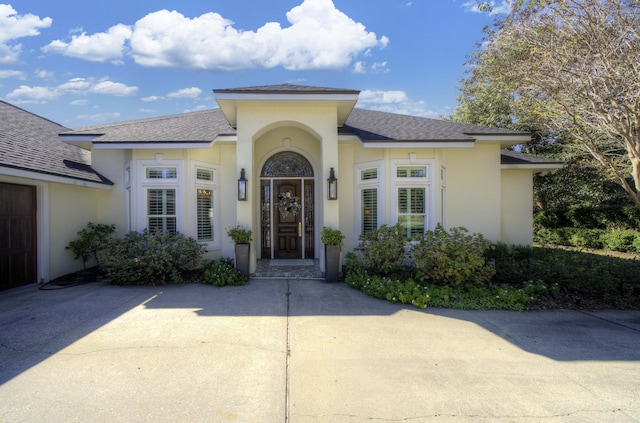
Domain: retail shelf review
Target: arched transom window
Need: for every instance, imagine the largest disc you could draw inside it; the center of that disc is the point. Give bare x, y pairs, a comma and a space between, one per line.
287, 164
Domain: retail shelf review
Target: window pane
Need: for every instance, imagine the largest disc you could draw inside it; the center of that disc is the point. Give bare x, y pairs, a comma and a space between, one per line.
368, 174
411, 172
205, 214
162, 173
412, 210
162, 224
369, 210
414, 225
204, 175
411, 200
161, 210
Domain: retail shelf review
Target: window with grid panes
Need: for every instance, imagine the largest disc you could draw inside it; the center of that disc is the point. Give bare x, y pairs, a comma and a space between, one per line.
161, 210
368, 200
204, 204
412, 210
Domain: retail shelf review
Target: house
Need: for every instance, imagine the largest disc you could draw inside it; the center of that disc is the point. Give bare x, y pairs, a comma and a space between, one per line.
287, 160
48, 192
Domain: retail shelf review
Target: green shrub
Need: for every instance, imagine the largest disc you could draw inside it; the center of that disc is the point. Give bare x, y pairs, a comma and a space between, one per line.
620, 240
587, 238
222, 272
511, 262
454, 258
504, 297
93, 239
142, 258
383, 251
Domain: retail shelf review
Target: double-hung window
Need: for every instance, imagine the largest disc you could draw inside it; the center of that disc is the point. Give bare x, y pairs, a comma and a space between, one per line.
411, 197
205, 189
369, 216
159, 205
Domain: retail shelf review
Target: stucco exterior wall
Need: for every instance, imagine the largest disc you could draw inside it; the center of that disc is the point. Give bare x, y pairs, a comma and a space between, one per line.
474, 189
517, 207
70, 209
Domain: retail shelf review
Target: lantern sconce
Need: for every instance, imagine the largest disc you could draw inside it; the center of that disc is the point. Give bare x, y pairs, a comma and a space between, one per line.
333, 185
242, 187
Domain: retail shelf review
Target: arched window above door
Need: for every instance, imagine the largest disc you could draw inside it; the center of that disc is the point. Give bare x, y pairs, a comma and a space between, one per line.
287, 164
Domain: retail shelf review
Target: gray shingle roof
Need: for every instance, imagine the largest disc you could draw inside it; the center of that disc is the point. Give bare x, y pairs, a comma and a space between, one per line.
369, 125
30, 142
203, 126
514, 157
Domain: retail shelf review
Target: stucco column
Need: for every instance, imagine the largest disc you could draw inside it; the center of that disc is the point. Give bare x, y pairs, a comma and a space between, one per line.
244, 160
330, 208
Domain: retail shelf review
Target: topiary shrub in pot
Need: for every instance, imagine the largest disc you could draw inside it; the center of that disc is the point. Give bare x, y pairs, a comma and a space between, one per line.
333, 242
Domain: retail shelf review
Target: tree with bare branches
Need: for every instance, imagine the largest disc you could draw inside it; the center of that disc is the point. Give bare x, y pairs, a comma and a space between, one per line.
572, 69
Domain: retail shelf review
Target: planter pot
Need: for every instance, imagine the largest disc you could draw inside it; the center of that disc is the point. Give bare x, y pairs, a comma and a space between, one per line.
242, 258
331, 262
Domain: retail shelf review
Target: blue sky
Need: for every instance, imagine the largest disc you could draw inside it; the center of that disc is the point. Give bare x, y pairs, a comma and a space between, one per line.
80, 62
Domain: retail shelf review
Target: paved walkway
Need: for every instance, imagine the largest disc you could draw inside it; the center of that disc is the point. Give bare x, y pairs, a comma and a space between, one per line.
305, 351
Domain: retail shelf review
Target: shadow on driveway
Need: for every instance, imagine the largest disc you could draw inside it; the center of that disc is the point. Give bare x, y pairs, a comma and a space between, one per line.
37, 324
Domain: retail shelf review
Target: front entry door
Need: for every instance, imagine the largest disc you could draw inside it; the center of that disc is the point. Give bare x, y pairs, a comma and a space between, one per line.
287, 217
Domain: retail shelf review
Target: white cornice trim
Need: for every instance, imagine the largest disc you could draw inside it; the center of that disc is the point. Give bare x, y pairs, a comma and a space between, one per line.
78, 138
534, 166
420, 144
149, 145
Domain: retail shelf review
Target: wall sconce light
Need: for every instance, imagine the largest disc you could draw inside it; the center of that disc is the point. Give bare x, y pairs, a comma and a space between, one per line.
333, 185
242, 187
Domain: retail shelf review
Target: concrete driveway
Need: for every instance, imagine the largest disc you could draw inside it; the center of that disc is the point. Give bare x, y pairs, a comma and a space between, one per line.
305, 351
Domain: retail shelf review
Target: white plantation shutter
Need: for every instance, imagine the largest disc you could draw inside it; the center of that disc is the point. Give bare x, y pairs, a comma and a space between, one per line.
412, 210
161, 210
204, 210
369, 210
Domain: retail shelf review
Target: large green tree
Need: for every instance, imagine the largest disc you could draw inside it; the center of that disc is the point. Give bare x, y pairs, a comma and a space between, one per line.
570, 71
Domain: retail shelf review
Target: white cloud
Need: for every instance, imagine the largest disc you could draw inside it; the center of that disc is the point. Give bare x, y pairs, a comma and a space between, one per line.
211, 42
503, 8
150, 99
192, 92
12, 74
148, 110
373, 96
44, 74
24, 92
100, 47
13, 26
79, 102
395, 102
197, 109
113, 88
99, 117
76, 86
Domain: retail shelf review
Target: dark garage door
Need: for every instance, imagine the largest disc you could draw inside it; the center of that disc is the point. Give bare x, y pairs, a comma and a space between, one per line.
17, 235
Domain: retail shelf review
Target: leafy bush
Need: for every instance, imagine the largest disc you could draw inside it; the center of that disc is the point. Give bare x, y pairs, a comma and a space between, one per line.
239, 234
222, 272
454, 258
587, 238
512, 263
383, 251
93, 239
504, 297
624, 240
621, 240
332, 237
142, 258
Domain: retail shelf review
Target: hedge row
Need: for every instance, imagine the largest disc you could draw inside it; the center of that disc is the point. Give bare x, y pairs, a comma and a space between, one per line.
623, 240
